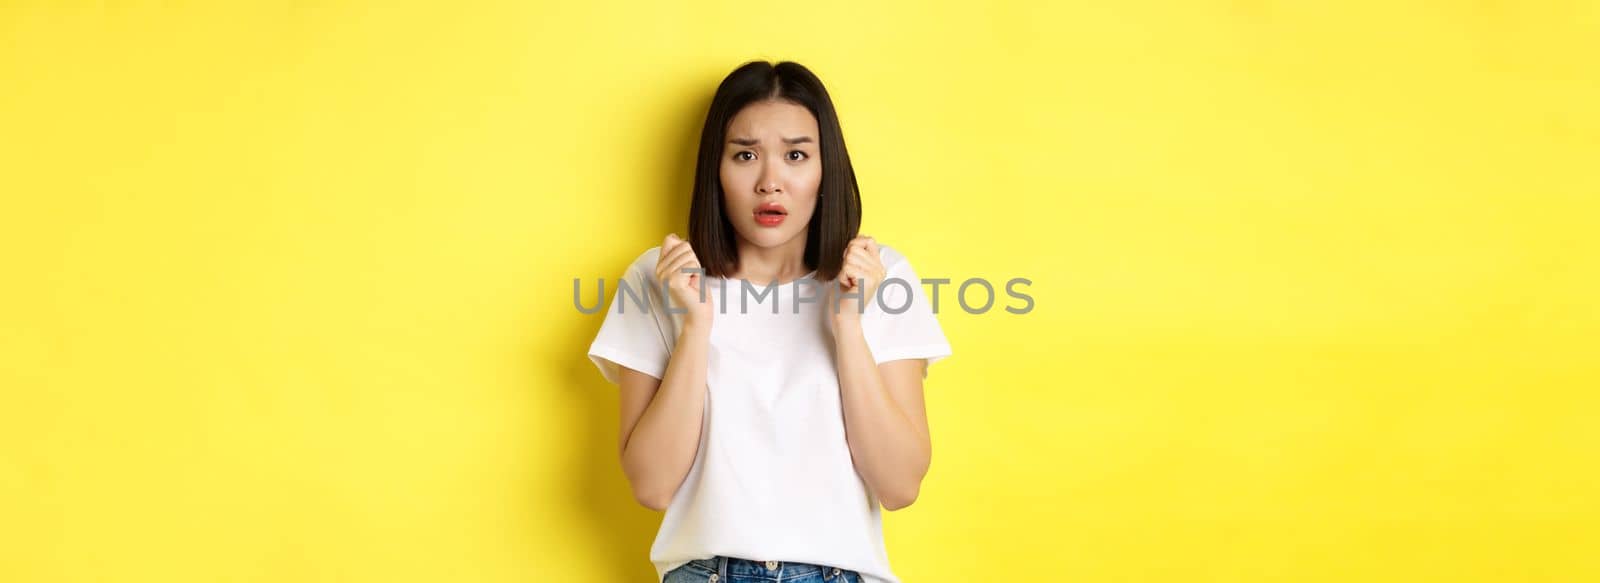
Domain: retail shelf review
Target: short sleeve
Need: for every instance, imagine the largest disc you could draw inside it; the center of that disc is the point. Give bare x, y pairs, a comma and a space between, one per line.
633, 333
901, 324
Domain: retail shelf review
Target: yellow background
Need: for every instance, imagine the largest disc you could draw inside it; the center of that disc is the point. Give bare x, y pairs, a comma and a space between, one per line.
288, 287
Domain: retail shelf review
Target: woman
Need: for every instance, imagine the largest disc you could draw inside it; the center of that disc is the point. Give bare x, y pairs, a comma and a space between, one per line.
771, 395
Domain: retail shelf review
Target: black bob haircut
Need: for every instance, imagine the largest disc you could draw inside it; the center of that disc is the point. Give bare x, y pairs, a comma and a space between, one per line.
838, 214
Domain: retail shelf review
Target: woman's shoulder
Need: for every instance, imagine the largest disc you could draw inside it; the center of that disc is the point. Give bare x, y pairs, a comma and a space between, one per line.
890, 256
646, 262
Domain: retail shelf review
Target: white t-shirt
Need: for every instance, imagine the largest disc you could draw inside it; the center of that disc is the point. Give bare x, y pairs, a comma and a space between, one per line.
773, 478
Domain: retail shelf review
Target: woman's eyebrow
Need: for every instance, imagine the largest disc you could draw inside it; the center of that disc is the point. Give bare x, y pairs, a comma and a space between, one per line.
752, 142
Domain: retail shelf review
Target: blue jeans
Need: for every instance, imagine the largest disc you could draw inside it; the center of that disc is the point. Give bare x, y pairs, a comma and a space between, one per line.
722, 569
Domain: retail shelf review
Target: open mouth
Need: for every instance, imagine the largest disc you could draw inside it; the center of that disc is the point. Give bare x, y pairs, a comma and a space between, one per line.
771, 214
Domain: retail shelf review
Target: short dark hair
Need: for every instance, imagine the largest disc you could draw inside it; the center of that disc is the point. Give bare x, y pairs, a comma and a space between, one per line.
838, 215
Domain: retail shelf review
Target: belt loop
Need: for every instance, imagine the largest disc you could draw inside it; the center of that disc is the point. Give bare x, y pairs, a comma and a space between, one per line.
722, 568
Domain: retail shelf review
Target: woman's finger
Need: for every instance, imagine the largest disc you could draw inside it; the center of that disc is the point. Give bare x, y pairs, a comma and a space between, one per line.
670, 242
867, 265
863, 255
854, 273
676, 250
675, 269
670, 257
850, 249
668, 252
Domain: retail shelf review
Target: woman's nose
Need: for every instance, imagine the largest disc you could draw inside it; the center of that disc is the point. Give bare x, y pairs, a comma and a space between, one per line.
768, 181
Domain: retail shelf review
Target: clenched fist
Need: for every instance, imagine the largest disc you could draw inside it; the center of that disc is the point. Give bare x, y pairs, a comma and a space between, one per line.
683, 288
861, 275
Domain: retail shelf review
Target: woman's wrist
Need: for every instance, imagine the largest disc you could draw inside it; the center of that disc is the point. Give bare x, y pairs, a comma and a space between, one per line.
846, 323
694, 329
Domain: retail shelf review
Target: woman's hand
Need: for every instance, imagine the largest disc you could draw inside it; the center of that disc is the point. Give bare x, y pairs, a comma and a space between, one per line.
683, 289
863, 272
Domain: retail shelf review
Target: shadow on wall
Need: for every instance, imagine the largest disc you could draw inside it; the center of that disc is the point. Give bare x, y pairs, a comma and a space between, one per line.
618, 528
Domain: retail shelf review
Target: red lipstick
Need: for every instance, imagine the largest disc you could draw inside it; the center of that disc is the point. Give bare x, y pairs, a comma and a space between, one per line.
771, 214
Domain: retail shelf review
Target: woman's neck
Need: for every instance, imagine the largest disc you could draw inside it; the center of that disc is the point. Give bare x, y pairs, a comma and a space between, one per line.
783, 263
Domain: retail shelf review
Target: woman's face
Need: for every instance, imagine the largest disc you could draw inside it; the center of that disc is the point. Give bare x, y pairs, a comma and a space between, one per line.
771, 169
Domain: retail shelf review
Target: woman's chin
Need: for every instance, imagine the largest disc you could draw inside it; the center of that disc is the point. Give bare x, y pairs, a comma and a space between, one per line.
766, 237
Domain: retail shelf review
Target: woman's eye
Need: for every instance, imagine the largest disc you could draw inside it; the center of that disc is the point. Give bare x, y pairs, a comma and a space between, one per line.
737, 156
802, 154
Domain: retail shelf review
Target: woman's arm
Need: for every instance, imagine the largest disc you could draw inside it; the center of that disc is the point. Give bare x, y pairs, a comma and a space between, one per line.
661, 420
885, 419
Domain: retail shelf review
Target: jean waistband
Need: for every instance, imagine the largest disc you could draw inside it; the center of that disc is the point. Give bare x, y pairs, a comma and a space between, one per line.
732, 566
